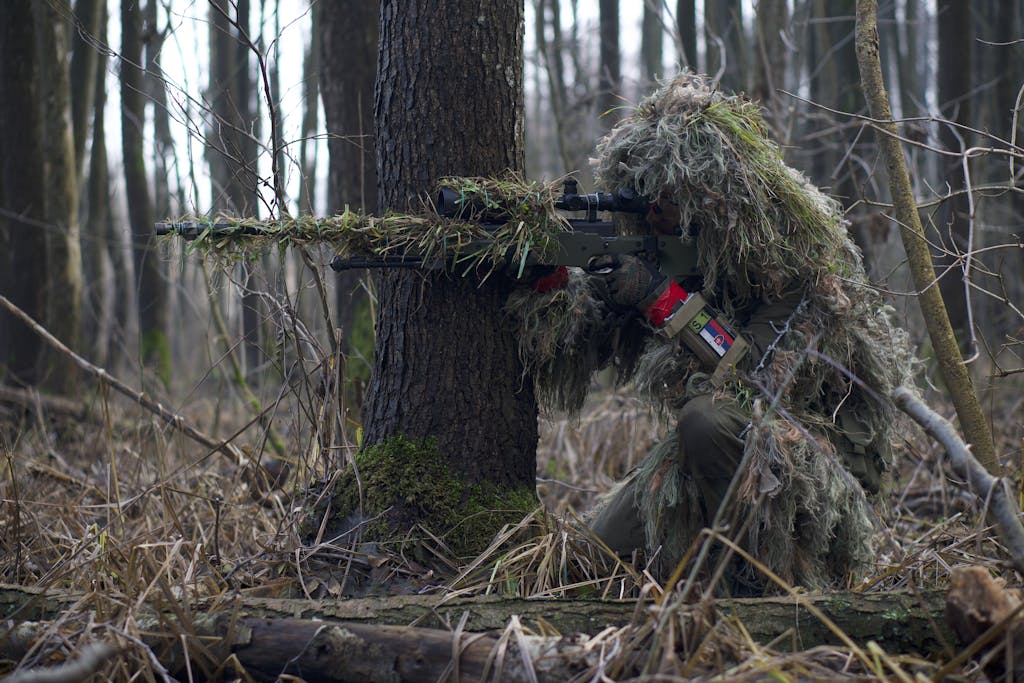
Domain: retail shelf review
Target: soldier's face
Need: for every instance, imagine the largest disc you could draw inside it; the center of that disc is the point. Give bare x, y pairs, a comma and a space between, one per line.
664, 217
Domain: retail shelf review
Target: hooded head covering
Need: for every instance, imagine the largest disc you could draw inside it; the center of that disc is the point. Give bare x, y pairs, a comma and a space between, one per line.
762, 224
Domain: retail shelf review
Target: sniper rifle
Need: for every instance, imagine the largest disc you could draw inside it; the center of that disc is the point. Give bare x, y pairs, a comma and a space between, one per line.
584, 240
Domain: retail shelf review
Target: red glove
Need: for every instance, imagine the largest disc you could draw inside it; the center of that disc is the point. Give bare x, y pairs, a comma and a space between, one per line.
555, 278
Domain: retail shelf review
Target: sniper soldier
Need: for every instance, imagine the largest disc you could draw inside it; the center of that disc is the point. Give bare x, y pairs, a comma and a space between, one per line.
771, 361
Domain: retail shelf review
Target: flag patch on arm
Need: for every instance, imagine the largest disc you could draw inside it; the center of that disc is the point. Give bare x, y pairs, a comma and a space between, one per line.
712, 332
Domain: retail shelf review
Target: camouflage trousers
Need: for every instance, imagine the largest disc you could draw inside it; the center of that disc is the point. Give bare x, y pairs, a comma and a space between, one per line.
708, 447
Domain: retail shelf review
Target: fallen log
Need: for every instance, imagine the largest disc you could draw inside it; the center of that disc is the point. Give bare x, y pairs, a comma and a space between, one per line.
897, 621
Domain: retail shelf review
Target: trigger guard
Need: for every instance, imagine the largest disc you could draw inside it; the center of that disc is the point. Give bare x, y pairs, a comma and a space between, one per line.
602, 270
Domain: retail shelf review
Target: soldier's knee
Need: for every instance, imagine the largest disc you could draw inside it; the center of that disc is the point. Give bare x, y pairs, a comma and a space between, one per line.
697, 423
709, 434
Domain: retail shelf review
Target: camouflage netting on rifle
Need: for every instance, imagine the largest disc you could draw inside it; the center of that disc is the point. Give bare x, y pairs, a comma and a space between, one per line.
765, 232
528, 222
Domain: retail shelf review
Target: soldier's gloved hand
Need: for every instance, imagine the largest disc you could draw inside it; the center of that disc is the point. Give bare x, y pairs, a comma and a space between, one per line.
632, 282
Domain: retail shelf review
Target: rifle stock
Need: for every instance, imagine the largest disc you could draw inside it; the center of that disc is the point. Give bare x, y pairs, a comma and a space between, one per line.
577, 247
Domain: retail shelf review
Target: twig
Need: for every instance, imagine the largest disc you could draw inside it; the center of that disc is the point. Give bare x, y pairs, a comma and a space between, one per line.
1002, 505
174, 420
88, 662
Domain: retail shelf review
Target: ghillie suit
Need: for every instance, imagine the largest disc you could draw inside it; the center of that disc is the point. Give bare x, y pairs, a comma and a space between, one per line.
816, 439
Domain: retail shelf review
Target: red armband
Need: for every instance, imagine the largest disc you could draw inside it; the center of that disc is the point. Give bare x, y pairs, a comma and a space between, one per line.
668, 303
556, 279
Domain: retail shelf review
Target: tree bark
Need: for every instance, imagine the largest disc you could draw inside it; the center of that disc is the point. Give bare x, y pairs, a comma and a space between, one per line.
368, 638
723, 32
686, 20
85, 59
446, 364
105, 272
349, 37
652, 42
63, 282
152, 293
770, 61
22, 191
311, 64
231, 149
951, 365
609, 81
952, 223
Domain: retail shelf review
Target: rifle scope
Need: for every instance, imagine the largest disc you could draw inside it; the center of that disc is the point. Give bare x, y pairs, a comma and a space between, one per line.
451, 204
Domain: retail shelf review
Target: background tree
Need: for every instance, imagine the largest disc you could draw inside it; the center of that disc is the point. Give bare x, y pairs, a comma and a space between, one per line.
686, 25
85, 60
609, 82
547, 36
106, 271
232, 150
88, 64
348, 34
770, 62
725, 45
955, 94
940, 331
999, 70
152, 291
446, 365
23, 191
63, 279
652, 42
39, 227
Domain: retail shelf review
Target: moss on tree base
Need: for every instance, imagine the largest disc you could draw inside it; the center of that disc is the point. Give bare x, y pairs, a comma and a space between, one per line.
399, 484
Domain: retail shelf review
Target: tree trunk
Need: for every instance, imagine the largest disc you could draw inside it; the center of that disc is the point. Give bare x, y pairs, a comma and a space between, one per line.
723, 32
267, 635
951, 365
107, 281
912, 70
771, 58
348, 33
310, 117
686, 20
834, 84
85, 58
549, 14
152, 292
156, 92
446, 363
652, 42
22, 191
952, 222
1000, 58
63, 250
609, 82
231, 149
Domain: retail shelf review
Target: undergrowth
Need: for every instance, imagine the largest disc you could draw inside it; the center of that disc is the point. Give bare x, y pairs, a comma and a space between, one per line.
117, 511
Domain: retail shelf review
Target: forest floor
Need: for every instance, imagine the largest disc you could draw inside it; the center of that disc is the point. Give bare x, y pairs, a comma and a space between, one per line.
104, 502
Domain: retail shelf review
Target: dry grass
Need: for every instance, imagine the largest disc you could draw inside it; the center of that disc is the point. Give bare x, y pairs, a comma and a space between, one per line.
124, 512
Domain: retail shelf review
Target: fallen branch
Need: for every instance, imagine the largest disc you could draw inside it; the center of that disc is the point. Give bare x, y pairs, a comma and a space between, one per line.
88, 662
897, 621
994, 491
173, 419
